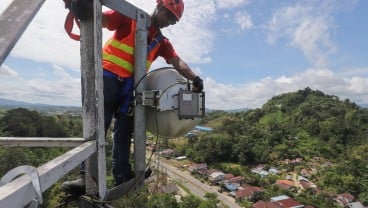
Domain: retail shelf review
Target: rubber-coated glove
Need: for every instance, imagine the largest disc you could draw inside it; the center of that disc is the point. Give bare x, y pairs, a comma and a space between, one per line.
197, 84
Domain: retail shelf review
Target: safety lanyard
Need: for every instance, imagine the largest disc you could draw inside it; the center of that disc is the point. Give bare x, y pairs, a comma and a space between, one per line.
68, 25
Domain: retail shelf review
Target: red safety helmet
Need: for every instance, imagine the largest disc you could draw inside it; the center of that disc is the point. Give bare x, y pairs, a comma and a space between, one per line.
174, 6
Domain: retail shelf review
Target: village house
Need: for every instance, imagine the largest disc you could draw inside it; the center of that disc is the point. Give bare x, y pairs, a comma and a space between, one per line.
247, 192
203, 172
305, 184
170, 188
237, 179
181, 158
230, 187
285, 184
284, 201
168, 153
257, 169
302, 178
197, 167
293, 161
306, 173
289, 203
210, 171
273, 171
344, 199
263, 204
262, 172
228, 176
355, 205
232, 183
289, 177
216, 177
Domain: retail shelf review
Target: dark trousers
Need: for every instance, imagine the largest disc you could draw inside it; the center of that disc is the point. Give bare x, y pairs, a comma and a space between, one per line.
118, 99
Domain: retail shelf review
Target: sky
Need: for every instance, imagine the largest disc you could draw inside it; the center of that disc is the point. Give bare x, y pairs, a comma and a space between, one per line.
246, 51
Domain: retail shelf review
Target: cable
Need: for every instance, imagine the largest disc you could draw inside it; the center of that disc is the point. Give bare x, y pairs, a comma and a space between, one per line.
170, 86
150, 72
94, 200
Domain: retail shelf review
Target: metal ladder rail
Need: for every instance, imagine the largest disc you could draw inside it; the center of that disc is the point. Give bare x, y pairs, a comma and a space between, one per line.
40, 142
91, 37
20, 192
93, 124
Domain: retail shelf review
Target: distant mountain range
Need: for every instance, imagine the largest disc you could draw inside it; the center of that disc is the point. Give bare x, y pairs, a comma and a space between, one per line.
10, 104
5, 102
230, 111
364, 105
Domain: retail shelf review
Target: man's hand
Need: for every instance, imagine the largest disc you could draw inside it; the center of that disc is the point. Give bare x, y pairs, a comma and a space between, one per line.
197, 84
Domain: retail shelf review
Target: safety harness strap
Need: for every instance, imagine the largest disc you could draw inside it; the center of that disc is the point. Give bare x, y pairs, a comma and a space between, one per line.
156, 40
68, 25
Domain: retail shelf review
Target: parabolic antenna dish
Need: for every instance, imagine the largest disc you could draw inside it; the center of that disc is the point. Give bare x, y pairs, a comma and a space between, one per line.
164, 120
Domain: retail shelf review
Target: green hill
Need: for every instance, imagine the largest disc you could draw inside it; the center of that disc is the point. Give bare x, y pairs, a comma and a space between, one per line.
303, 124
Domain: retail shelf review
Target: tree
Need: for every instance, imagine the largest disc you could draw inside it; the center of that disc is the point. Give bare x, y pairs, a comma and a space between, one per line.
162, 201
20, 122
189, 202
211, 201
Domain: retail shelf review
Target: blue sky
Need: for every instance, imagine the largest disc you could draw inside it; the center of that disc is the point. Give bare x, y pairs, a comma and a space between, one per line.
247, 51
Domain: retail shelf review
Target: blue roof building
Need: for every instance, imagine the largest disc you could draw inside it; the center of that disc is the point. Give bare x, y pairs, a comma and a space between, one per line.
202, 128
230, 187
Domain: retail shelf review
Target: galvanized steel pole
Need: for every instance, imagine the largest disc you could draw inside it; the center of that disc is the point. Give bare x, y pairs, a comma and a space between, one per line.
140, 53
92, 100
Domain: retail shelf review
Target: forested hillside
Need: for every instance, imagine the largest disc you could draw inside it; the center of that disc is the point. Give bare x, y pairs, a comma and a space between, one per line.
22, 122
303, 124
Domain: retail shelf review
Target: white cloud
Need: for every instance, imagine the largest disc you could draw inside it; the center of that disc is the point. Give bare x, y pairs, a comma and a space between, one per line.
306, 26
191, 36
46, 41
65, 90
361, 71
7, 71
50, 43
228, 4
255, 94
244, 20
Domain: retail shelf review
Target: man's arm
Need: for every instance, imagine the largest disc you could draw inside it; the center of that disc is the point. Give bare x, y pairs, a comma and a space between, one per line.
112, 20
188, 73
182, 68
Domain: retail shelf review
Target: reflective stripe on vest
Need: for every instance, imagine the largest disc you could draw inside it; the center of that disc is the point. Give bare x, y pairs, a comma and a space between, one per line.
118, 61
118, 56
122, 46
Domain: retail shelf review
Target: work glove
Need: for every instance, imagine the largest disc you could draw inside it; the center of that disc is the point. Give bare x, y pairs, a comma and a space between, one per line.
197, 84
82, 9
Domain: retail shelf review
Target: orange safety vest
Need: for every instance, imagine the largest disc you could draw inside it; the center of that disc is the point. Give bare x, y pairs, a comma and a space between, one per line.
118, 55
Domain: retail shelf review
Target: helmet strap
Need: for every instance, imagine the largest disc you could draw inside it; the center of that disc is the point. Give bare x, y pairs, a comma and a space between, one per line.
157, 10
